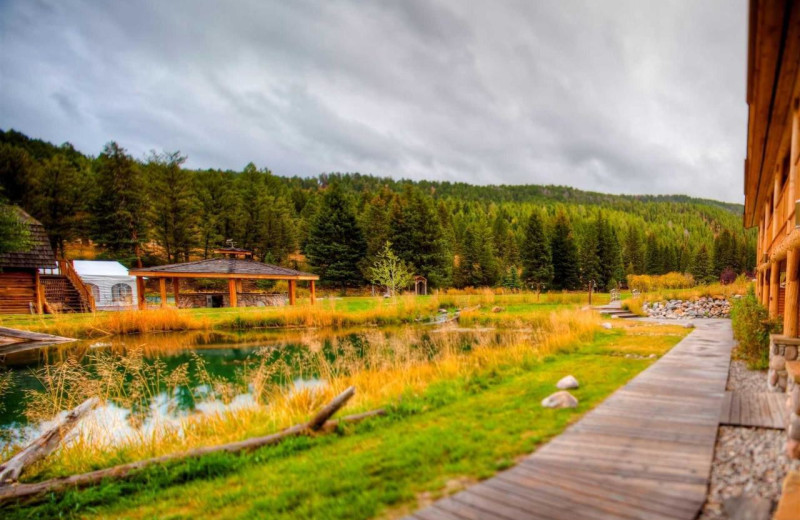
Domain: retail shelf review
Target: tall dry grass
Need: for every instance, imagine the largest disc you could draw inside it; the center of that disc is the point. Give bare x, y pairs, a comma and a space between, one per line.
403, 309
382, 369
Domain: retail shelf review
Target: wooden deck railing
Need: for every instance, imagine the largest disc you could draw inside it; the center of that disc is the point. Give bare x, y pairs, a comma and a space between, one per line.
67, 270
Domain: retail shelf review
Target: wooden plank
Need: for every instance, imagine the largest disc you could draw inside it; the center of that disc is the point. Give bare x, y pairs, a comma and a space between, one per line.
645, 452
761, 410
725, 411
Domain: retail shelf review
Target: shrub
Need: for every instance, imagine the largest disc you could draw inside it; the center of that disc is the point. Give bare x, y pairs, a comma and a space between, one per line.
647, 282
751, 328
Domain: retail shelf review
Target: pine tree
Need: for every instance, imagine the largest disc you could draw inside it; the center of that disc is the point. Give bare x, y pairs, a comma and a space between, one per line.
565, 254
701, 266
335, 243
537, 263
57, 198
652, 256
119, 210
633, 255
417, 236
173, 205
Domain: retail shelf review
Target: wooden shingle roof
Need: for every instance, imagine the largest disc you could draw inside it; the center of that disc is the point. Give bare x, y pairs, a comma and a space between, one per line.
40, 254
224, 268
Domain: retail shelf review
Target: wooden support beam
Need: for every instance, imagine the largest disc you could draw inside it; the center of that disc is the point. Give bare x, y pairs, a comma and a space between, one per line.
162, 286
140, 289
765, 288
774, 287
312, 291
792, 293
176, 289
239, 287
38, 296
232, 293
292, 287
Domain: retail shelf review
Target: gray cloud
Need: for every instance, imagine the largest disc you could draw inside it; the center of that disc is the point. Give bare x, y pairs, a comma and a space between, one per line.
622, 96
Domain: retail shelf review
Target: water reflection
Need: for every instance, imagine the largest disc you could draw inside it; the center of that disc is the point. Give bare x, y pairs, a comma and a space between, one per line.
212, 372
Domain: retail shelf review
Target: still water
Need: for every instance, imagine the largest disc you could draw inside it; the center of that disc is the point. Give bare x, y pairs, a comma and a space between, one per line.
154, 380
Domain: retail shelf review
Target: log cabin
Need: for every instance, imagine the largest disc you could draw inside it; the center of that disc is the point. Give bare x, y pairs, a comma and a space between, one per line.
772, 186
21, 289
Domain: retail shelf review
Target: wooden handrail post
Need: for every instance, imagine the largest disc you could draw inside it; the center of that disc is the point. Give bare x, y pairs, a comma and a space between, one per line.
232, 293
792, 293
162, 286
313, 292
774, 287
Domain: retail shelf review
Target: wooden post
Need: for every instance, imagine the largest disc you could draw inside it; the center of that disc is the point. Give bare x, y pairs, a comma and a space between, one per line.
312, 291
765, 288
792, 293
774, 287
292, 285
38, 287
176, 289
140, 293
232, 293
239, 288
162, 286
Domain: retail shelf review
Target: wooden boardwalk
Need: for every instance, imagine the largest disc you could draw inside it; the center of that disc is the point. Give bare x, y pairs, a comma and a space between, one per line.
644, 453
763, 410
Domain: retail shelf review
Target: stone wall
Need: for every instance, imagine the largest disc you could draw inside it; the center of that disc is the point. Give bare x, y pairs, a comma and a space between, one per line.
781, 350
793, 426
198, 300
700, 308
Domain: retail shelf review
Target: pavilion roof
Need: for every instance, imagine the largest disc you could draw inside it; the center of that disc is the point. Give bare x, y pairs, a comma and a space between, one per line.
224, 268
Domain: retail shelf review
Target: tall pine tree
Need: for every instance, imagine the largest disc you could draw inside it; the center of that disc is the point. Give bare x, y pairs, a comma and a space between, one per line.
336, 245
565, 254
537, 263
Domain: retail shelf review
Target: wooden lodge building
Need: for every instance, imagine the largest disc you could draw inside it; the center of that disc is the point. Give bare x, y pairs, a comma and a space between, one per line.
772, 186
32, 281
234, 265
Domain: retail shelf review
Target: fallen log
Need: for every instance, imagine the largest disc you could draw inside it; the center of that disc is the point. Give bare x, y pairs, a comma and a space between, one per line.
28, 493
11, 470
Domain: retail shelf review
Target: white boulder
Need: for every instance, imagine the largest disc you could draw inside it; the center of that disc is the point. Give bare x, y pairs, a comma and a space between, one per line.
561, 399
567, 382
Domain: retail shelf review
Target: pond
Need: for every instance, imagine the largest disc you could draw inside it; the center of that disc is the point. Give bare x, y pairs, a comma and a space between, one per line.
152, 381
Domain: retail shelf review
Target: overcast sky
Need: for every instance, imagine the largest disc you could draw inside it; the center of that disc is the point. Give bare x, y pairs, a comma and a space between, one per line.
621, 97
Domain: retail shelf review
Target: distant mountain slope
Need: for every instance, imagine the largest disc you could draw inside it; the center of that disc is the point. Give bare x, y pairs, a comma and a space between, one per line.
183, 212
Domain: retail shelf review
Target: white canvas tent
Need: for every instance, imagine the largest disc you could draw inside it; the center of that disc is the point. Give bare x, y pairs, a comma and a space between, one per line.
112, 287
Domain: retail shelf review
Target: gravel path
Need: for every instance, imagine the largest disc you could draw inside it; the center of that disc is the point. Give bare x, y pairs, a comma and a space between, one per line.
749, 461
741, 379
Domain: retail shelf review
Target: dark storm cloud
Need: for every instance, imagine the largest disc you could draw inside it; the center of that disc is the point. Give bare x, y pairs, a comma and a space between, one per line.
635, 97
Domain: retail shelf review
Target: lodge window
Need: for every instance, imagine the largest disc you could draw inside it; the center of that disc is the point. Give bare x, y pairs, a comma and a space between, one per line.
121, 293
95, 291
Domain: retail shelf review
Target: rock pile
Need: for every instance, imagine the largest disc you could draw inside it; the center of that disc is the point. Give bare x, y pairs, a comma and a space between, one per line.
676, 309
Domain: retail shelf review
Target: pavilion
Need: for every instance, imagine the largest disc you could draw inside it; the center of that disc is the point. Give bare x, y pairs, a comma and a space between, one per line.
235, 265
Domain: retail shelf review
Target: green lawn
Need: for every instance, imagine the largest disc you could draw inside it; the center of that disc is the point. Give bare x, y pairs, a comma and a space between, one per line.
456, 432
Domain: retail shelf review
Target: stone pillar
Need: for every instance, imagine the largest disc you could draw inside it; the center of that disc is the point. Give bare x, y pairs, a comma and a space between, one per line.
793, 404
782, 349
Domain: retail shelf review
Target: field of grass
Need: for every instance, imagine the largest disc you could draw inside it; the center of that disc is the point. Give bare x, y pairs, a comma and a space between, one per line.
468, 420
329, 312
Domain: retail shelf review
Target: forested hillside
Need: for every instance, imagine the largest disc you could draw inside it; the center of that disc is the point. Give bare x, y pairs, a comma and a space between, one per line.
455, 234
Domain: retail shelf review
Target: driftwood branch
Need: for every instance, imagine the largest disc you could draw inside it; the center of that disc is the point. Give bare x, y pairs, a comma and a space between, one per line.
331, 408
11, 470
31, 492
